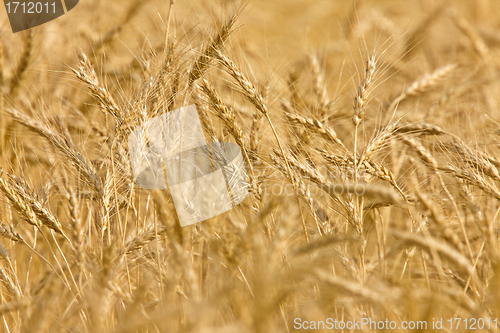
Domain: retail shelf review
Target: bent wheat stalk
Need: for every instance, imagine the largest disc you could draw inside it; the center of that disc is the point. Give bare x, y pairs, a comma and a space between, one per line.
252, 95
422, 85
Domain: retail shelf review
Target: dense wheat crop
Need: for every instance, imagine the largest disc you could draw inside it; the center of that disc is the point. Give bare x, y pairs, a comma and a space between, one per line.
369, 131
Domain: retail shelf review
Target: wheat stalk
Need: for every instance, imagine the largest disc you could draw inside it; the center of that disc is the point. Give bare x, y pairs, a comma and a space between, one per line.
252, 95
422, 85
227, 117
317, 127
87, 75
63, 145
27, 204
215, 44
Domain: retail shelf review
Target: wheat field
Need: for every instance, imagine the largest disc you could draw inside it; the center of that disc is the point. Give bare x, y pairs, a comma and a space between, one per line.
369, 131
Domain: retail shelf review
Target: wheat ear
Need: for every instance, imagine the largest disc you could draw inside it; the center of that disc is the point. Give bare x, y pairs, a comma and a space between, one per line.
227, 117
27, 204
255, 97
429, 160
422, 85
22, 65
315, 126
87, 75
203, 62
63, 145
